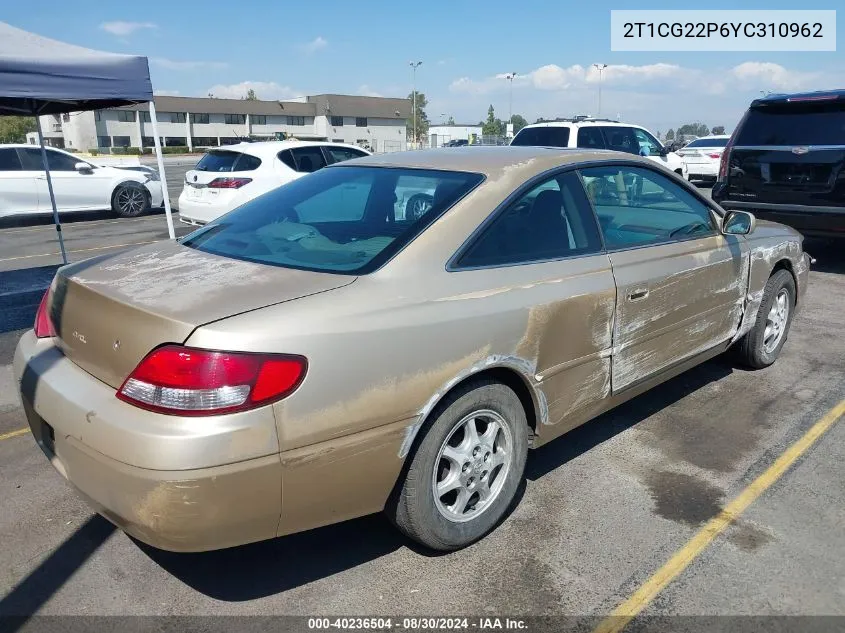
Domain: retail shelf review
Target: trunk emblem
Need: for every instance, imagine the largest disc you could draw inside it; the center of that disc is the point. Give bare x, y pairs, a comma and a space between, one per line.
800, 151
79, 337
195, 177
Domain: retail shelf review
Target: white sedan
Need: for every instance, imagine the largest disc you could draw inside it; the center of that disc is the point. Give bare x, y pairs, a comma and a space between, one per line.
77, 184
227, 177
702, 157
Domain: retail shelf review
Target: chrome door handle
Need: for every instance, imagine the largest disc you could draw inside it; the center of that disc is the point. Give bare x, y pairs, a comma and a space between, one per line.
637, 294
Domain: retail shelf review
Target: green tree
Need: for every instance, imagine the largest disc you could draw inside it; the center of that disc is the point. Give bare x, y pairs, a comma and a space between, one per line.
422, 118
658, 135
518, 122
492, 126
250, 95
694, 129
718, 129
670, 134
13, 129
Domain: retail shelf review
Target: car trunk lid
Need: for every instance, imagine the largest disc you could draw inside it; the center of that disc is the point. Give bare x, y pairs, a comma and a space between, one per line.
110, 312
790, 152
219, 174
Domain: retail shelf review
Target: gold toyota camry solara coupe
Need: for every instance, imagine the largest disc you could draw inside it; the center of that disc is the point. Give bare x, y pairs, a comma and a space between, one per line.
391, 333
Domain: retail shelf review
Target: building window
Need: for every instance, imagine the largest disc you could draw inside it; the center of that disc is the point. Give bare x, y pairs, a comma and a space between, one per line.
126, 116
235, 119
121, 141
199, 117
104, 141
258, 119
229, 140
173, 117
148, 141
146, 118
175, 141
296, 120
360, 121
337, 121
337, 140
204, 141
98, 116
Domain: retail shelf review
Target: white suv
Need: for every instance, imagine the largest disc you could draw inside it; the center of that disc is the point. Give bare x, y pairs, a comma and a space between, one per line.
227, 177
589, 133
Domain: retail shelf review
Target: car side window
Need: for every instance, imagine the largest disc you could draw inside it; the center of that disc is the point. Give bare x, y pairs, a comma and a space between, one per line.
590, 137
246, 162
621, 139
308, 159
60, 162
638, 206
287, 158
31, 159
340, 154
550, 221
9, 160
649, 146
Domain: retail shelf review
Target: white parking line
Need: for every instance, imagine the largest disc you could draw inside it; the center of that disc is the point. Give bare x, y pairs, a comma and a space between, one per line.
79, 250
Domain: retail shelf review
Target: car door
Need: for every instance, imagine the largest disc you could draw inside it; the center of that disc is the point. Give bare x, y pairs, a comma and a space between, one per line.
74, 190
539, 263
17, 187
680, 282
650, 147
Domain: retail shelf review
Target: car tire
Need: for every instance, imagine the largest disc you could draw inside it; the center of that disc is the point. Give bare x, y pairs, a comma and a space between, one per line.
130, 199
761, 346
418, 205
436, 520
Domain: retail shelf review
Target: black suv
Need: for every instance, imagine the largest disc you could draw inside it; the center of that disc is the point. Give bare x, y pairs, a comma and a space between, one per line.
786, 162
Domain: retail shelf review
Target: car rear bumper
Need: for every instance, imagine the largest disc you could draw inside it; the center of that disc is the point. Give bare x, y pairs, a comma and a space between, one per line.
231, 498
705, 170
199, 212
810, 221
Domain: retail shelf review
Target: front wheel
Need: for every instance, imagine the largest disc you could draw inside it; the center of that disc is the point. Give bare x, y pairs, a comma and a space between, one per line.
130, 200
466, 470
762, 345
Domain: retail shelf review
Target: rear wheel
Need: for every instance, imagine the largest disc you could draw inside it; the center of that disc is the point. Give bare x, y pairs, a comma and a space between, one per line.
417, 206
129, 200
762, 345
466, 470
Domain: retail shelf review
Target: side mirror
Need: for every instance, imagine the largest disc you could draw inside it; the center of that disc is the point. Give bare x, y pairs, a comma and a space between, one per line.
83, 168
738, 223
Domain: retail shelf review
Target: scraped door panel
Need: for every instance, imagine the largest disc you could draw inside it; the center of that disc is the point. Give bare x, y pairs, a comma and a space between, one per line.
673, 301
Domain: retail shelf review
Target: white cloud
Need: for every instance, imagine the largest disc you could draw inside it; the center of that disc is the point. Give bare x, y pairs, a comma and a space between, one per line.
126, 28
366, 91
264, 90
166, 93
172, 64
317, 44
766, 75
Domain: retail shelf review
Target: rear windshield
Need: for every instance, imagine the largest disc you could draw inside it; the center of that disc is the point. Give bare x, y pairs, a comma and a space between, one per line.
795, 124
709, 142
553, 136
227, 160
344, 219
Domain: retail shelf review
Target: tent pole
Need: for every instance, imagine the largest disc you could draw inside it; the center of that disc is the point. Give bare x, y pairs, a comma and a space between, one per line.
161, 173
50, 189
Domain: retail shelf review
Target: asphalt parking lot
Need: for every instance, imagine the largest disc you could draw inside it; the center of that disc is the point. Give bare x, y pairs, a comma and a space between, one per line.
603, 509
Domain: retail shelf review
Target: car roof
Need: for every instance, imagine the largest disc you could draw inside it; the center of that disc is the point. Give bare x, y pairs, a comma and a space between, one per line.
585, 122
710, 137
818, 95
265, 149
490, 160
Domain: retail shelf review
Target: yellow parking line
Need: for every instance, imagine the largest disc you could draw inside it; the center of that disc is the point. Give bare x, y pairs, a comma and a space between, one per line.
11, 434
79, 250
625, 612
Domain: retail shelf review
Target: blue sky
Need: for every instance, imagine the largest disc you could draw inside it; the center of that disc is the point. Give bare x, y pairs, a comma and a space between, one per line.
285, 49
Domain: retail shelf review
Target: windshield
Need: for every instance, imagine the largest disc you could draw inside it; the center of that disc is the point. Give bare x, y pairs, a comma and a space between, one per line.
709, 142
346, 219
552, 136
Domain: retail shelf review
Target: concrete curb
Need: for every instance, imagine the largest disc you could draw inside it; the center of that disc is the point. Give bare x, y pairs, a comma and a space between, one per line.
20, 293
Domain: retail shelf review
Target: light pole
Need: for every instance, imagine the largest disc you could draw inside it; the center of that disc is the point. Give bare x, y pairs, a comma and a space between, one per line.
600, 68
510, 77
414, 93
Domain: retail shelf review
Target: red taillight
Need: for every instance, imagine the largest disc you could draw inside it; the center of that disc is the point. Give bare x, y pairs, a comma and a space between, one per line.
43, 325
186, 381
714, 155
229, 183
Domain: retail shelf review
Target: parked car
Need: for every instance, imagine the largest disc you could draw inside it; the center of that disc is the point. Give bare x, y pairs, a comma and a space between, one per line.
786, 162
702, 157
591, 133
78, 185
457, 142
225, 178
310, 357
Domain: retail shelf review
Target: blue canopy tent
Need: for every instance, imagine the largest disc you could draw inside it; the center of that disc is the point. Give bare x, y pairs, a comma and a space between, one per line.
43, 76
